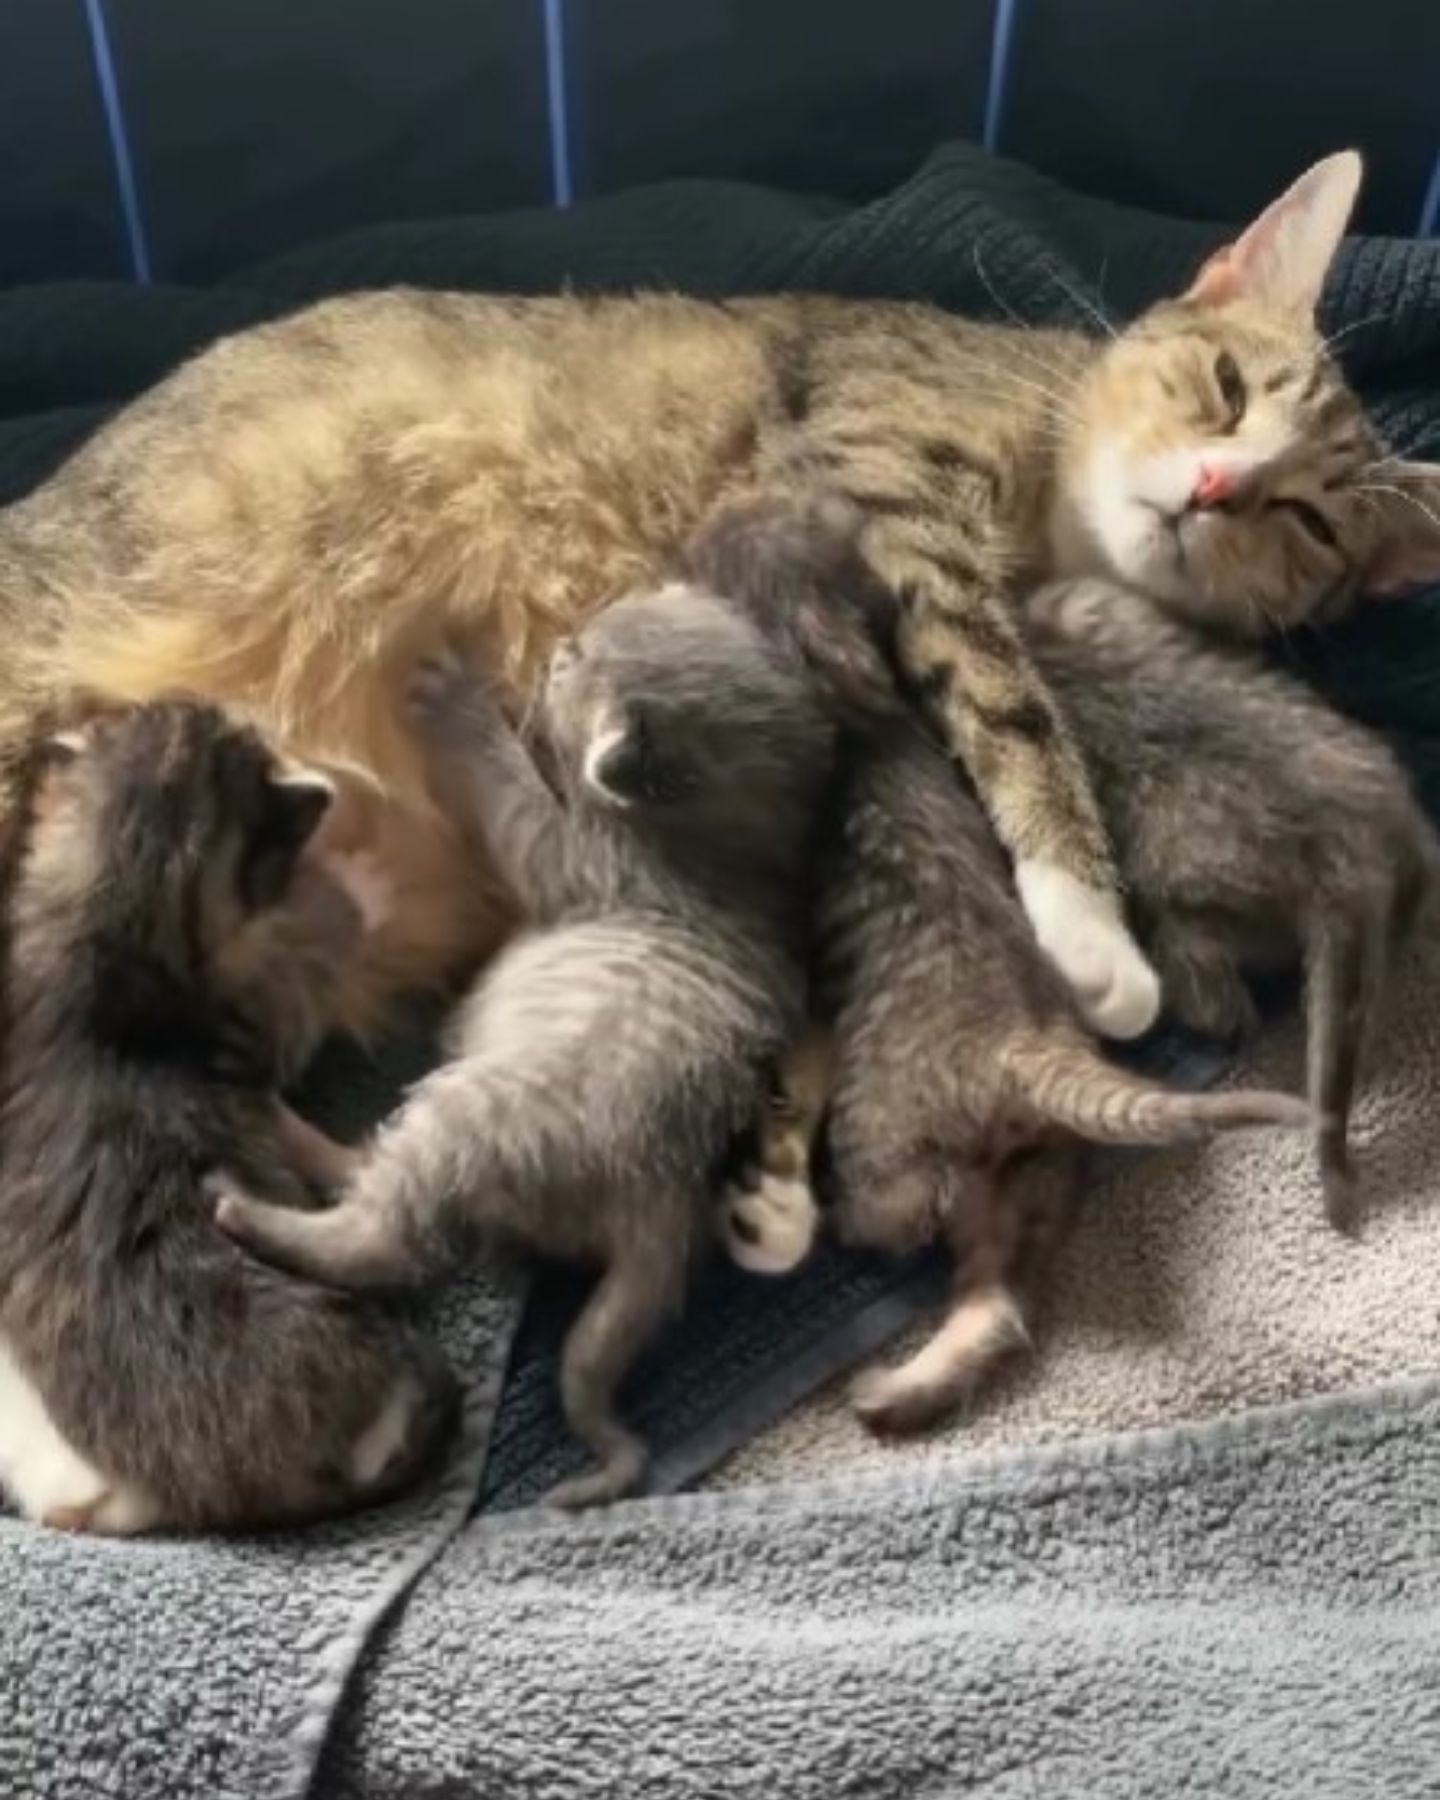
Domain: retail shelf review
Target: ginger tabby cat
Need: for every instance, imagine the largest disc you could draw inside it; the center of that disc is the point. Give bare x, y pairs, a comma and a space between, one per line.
295, 516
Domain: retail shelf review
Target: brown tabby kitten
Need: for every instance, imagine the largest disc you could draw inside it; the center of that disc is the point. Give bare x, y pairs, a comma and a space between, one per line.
296, 514
168, 960
1256, 830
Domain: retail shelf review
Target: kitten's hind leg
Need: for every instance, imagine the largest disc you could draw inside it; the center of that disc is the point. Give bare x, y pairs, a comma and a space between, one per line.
1001, 1241
769, 1218
314, 1155
984, 1324
355, 1244
630, 1301
1200, 980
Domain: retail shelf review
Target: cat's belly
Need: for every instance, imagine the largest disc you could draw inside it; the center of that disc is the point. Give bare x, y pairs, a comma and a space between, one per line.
296, 524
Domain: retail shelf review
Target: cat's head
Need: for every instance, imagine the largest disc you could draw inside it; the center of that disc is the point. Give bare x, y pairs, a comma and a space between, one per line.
163, 839
1215, 456
675, 703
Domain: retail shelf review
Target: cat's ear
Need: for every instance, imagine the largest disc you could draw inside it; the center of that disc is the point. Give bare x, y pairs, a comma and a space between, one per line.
1282, 258
1407, 537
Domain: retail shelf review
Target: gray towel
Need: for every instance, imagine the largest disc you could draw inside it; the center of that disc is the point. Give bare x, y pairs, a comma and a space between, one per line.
172, 1670
1240, 1611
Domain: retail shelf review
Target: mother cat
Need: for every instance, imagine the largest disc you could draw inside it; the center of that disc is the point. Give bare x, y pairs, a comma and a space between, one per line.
293, 517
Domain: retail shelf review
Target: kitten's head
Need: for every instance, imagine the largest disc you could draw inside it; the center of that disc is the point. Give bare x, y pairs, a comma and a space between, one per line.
675, 703
163, 840
1217, 459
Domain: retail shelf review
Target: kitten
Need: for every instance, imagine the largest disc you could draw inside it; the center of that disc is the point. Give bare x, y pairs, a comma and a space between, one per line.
1256, 830
167, 963
956, 1045
611, 1056
524, 461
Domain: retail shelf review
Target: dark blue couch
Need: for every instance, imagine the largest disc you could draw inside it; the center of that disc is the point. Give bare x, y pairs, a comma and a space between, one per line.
181, 138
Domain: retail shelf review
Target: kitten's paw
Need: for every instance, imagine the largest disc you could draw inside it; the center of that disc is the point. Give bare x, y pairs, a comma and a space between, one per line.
237, 1214
769, 1228
121, 1511
447, 701
1082, 931
41, 1472
367, 882
620, 1476
891, 1403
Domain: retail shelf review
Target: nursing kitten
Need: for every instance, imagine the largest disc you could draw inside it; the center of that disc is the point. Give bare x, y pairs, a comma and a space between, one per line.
1256, 829
167, 963
955, 1044
430, 463
612, 1054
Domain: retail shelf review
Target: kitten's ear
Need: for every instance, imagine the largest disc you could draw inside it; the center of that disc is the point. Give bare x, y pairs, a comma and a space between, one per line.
73, 729
64, 746
1407, 537
296, 802
1282, 258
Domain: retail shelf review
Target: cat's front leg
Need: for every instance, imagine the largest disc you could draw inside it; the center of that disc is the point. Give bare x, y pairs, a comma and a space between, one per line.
973, 674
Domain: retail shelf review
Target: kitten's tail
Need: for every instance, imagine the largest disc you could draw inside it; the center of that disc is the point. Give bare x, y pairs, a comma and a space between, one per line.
1345, 959
1070, 1084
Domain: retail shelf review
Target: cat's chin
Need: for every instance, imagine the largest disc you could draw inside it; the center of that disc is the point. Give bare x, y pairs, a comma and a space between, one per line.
1125, 539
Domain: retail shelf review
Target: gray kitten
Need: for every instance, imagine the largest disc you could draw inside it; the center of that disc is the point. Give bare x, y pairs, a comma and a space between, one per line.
956, 1044
168, 956
611, 1055
1256, 830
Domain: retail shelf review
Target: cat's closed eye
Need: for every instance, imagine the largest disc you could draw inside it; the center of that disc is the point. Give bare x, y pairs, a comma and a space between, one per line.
1230, 384
1309, 517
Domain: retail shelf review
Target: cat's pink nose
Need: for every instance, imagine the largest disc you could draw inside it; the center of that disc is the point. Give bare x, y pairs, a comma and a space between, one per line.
1213, 487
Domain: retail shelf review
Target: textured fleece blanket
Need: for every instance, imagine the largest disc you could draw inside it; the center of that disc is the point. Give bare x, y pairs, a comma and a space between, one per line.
1238, 1610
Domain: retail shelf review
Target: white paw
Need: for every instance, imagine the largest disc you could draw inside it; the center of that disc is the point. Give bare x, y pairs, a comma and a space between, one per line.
1082, 931
367, 883
41, 1471
769, 1229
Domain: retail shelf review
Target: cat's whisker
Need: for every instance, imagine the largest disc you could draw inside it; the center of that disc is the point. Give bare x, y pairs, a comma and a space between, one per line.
1009, 311
1275, 625
1026, 326
1059, 399
1076, 298
1060, 396
1057, 405
1327, 345
1404, 494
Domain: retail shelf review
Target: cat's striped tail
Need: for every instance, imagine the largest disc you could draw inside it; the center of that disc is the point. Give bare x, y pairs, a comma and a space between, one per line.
1066, 1082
